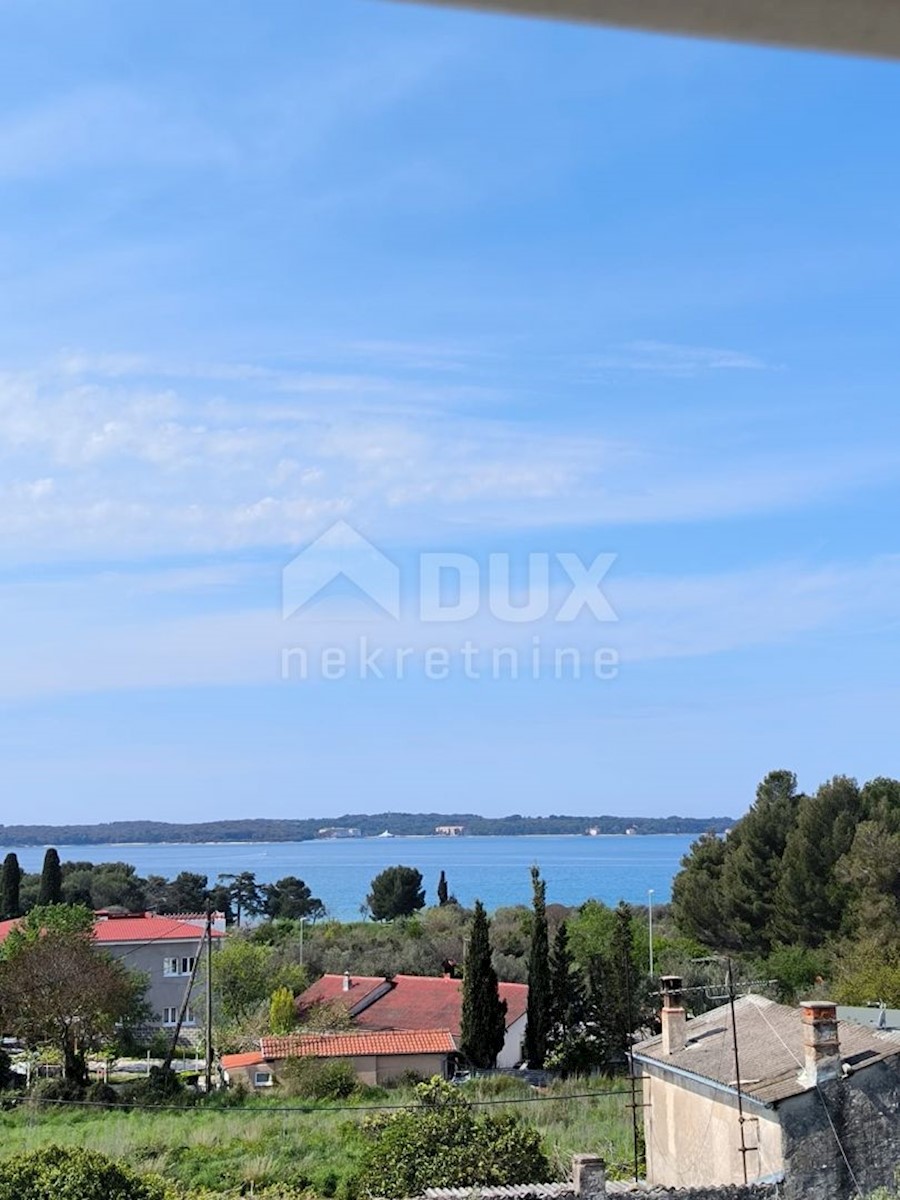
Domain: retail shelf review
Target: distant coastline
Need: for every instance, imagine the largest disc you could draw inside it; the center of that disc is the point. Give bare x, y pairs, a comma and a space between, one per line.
261, 830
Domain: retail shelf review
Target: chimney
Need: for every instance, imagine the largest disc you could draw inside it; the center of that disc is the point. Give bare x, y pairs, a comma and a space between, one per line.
346, 981
673, 1016
821, 1048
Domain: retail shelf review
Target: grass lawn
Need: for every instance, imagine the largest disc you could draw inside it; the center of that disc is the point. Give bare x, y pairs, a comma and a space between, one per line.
226, 1150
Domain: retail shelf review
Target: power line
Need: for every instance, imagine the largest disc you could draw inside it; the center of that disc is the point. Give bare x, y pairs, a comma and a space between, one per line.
310, 1108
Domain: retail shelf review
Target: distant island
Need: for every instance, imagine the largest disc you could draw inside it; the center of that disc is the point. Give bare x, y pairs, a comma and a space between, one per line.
356, 825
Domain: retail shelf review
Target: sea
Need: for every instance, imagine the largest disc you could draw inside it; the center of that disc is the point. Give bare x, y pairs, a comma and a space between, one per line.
495, 870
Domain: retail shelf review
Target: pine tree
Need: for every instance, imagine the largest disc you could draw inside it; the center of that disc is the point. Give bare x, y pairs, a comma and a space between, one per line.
537, 1026
443, 892
483, 1025
752, 865
697, 901
810, 900
10, 881
50, 891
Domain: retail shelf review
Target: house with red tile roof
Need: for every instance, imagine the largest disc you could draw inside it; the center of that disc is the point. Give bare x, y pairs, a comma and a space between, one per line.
376, 1058
164, 949
405, 1003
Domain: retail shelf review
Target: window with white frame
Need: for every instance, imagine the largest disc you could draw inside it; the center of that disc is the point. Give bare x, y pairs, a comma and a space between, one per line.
174, 967
170, 1016
263, 1079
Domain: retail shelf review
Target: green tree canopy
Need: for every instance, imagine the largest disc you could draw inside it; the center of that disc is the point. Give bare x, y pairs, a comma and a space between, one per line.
245, 895
57, 988
445, 1142
751, 872
51, 879
810, 899
10, 888
483, 1024
396, 892
290, 899
71, 1173
537, 1027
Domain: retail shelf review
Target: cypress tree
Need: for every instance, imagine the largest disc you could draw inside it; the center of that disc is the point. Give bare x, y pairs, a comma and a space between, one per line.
567, 998
483, 1025
537, 1026
443, 892
568, 1002
51, 879
10, 881
621, 983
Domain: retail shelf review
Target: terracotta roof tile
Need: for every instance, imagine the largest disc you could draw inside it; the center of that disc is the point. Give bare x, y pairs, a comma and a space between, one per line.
351, 1045
412, 1002
147, 927
143, 927
231, 1061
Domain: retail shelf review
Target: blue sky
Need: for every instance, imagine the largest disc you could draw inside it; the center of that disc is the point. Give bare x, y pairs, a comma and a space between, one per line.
471, 286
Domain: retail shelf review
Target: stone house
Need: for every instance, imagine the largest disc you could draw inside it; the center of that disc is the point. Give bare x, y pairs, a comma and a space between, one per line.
407, 1003
376, 1058
805, 1103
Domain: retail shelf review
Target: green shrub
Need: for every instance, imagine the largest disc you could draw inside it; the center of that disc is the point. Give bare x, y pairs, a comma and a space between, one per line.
55, 1089
159, 1087
101, 1093
318, 1079
446, 1143
64, 1173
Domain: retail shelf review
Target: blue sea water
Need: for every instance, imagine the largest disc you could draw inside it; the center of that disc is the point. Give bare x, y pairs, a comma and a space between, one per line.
494, 870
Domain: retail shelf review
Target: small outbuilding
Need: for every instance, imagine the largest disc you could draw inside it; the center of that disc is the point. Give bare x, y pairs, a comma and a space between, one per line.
376, 1058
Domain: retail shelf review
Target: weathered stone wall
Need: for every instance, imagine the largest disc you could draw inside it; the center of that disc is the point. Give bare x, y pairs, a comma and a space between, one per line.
844, 1137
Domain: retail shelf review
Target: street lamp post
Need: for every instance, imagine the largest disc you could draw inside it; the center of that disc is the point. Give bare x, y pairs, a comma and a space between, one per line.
650, 922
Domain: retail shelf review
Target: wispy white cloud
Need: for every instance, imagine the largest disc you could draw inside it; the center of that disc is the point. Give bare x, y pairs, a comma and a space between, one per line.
670, 358
115, 457
106, 632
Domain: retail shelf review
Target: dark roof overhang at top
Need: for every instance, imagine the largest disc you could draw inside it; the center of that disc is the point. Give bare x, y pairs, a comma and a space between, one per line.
862, 27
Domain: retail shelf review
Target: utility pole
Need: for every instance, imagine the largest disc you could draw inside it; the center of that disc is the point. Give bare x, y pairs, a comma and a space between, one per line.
737, 1068
208, 998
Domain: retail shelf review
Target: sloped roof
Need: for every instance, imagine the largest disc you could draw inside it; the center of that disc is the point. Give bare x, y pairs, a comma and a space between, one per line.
770, 1048
140, 927
351, 1045
330, 988
412, 1001
231, 1061
147, 927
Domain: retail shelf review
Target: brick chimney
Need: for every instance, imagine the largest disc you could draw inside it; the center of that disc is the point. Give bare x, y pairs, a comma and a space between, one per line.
673, 1016
821, 1048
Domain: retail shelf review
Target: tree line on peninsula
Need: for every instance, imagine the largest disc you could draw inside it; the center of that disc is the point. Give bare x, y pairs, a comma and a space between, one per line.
368, 825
